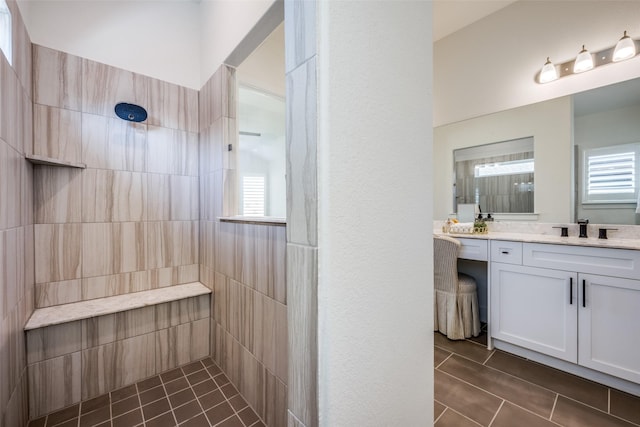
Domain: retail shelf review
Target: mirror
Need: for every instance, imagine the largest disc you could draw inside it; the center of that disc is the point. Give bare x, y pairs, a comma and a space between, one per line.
561, 128
607, 153
497, 177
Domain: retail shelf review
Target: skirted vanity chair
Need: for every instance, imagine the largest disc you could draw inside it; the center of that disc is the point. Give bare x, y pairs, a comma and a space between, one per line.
456, 313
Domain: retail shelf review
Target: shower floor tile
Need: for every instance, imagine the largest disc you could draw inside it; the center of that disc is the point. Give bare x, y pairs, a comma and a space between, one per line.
197, 394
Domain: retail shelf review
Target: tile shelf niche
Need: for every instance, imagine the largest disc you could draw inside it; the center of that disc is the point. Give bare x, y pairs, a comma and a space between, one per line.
48, 161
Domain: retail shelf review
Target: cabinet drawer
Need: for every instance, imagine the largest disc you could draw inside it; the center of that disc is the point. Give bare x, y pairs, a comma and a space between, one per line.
474, 249
506, 252
603, 261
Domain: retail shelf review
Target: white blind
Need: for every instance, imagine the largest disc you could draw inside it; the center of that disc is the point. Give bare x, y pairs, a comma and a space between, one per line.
5, 30
253, 195
611, 174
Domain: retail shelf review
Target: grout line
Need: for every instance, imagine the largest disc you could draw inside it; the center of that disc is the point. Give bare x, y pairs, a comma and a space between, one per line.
488, 357
496, 414
442, 363
609, 400
441, 414
553, 408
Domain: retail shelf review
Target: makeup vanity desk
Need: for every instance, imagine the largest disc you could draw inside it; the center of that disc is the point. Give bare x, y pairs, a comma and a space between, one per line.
567, 302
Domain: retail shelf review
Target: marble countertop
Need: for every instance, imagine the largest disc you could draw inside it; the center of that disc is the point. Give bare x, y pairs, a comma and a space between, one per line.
620, 236
54, 315
633, 244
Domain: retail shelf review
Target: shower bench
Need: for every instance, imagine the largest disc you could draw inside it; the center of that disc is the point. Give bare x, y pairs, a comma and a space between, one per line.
81, 350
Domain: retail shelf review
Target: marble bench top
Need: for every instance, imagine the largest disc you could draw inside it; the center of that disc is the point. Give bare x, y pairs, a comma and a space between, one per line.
57, 314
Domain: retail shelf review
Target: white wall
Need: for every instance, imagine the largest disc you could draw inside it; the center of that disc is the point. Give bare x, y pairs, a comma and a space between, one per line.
490, 65
224, 23
178, 41
375, 294
549, 123
264, 68
160, 39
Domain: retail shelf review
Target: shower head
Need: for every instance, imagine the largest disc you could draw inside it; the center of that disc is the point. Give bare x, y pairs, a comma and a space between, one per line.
131, 112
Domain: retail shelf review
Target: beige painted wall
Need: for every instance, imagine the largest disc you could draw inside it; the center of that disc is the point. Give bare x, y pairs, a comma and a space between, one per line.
550, 124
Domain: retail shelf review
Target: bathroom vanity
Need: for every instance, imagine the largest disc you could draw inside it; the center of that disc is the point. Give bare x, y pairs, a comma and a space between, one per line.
568, 302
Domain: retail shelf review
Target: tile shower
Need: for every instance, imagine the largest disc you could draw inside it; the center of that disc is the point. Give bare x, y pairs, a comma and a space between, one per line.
142, 215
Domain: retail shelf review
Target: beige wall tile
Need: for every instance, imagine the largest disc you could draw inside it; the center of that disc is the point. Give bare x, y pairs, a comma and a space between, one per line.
214, 141
172, 243
119, 326
27, 124
54, 384
57, 194
10, 187
226, 248
302, 155
172, 197
58, 253
56, 293
264, 317
104, 86
112, 143
97, 331
302, 308
109, 195
57, 78
172, 151
241, 323
220, 308
10, 88
11, 269
111, 366
22, 61
182, 344
207, 243
281, 343
173, 106
115, 284
57, 133
53, 341
110, 248
183, 311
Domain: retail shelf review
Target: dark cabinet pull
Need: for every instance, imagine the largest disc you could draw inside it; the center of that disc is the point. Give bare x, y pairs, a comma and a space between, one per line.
570, 290
584, 298
505, 252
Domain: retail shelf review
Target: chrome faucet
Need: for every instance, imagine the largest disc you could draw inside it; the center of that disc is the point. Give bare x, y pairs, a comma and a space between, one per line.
583, 227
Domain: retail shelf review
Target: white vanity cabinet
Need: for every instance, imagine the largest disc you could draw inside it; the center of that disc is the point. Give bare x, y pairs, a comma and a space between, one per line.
578, 304
609, 325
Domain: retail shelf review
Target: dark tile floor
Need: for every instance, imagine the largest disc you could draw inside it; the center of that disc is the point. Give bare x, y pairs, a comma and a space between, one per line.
477, 387
196, 395
473, 387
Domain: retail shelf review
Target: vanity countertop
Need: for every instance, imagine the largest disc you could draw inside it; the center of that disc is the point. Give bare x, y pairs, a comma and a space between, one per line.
633, 244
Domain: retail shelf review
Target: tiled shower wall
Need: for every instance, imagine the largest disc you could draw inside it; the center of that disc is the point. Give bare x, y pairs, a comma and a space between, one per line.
302, 210
244, 265
129, 221
16, 223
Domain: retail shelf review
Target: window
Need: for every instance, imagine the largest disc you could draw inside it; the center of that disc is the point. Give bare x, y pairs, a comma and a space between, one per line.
611, 174
253, 195
5, 30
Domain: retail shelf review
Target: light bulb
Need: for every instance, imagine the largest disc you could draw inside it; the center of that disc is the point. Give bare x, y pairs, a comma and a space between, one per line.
625, 49
548, 72
584, 61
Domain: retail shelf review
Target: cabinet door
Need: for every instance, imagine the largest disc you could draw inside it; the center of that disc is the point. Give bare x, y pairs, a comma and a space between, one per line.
609, 325
535, 308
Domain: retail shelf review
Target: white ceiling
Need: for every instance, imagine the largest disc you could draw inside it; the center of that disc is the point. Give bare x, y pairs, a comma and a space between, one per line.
450, 16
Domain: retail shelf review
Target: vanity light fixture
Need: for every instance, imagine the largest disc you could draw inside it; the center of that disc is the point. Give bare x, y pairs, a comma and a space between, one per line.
548, 72
626, 48
584, 61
